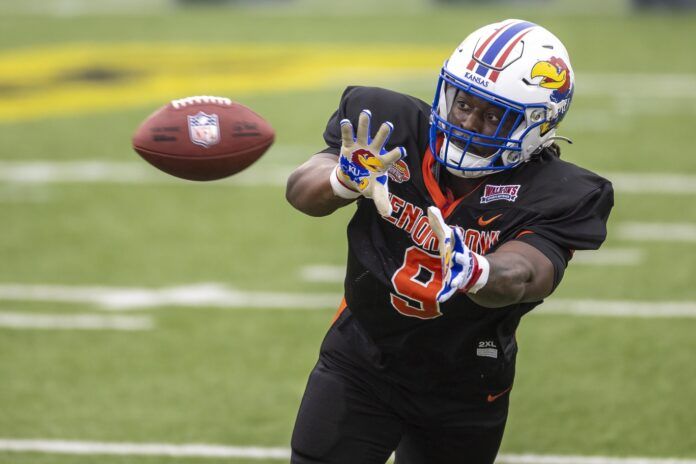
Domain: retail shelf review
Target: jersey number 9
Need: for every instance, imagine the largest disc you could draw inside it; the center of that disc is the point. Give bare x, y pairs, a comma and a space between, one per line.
417, 283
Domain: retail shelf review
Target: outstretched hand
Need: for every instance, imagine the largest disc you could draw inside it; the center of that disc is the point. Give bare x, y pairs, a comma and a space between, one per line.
364, 162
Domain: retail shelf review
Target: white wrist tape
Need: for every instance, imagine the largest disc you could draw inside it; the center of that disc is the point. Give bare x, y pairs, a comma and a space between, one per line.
339, 188
485, 268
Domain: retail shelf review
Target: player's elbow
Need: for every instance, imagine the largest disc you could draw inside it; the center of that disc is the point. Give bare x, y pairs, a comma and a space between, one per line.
300, 194
309, 189
294, 193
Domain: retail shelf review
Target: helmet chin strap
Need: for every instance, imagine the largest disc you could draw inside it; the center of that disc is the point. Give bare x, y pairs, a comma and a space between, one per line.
452, 154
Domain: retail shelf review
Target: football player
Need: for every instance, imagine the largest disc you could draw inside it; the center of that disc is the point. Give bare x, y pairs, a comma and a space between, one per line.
466, 219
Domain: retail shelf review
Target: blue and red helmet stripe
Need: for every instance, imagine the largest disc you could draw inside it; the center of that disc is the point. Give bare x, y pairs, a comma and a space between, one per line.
501, 61
500, 43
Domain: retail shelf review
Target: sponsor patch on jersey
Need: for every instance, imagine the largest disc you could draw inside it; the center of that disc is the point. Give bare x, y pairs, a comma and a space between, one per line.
500, 192
399, 172
487, 349
204, 129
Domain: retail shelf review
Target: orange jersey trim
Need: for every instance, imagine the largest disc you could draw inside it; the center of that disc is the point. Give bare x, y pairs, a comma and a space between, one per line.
430, 183
524, 232
342, 307
446, 205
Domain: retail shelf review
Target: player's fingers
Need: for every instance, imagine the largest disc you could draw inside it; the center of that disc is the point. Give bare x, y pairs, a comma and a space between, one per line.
380, 195
437, 223
446, 277
458, 281
393, 156
364, 127
347, 133
382, 135
445, 294
457, 237
459, 232
461, 258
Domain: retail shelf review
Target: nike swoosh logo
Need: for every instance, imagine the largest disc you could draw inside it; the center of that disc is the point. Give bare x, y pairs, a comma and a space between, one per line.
484, 222
492, 398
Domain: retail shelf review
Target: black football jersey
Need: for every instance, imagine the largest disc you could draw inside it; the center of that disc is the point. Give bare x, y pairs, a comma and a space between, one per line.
393, 270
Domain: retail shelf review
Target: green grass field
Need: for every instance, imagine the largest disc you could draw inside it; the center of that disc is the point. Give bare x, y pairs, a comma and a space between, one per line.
586, 385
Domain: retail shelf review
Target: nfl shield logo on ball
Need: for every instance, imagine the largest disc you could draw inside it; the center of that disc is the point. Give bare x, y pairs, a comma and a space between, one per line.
204, 129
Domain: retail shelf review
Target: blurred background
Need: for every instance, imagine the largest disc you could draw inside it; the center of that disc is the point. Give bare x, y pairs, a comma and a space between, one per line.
140, 313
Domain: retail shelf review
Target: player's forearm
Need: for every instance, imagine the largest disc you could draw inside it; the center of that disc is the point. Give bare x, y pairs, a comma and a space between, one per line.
309, 189
509, 280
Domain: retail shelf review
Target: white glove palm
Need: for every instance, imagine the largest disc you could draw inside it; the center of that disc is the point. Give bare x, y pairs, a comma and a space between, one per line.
364, 162
462, 268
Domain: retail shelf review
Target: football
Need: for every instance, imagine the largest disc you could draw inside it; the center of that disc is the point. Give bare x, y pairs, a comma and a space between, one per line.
203, 138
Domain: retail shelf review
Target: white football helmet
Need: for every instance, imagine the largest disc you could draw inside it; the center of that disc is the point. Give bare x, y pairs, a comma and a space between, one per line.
517, 66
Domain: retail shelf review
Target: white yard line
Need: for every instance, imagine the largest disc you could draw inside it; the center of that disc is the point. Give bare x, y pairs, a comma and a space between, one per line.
326, 273
609, 257
123, 172
618, 308
551, 459
662, 183
205, 295
133, 172
656, 231
19, 320
221, 296
258, 452
143, 449
323, 273
632, 86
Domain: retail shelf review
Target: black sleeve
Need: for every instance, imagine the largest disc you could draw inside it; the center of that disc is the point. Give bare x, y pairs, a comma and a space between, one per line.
580, 227
558, 256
